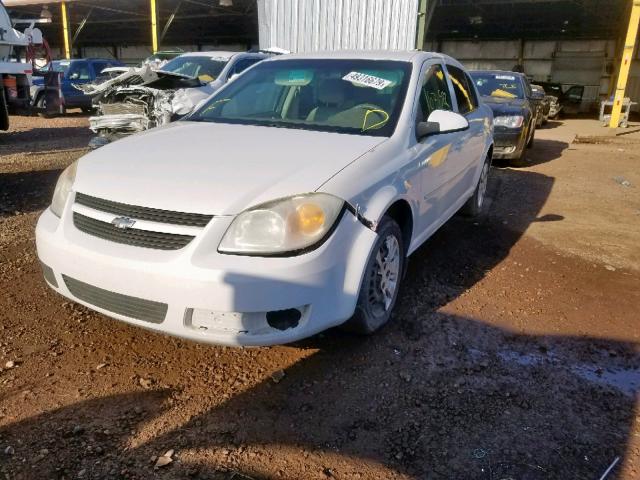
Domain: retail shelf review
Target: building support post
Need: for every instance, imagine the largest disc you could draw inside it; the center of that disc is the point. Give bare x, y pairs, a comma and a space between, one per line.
65, 31
154, 26
625, 66
422, 27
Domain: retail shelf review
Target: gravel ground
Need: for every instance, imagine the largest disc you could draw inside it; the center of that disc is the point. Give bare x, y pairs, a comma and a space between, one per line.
513, 353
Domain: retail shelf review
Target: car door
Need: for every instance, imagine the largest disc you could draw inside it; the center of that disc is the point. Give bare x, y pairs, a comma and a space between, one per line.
78, 73
467, 152
572, 99
432, 153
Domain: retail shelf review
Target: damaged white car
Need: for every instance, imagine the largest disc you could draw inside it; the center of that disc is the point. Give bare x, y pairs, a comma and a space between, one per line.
142, 98
286, 204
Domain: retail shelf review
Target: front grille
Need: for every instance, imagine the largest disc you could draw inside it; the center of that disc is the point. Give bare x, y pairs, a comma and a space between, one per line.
134, 237
132, 307
123, 109
144, 213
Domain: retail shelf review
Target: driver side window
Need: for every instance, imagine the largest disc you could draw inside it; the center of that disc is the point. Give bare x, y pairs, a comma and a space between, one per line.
79, 71
434, 93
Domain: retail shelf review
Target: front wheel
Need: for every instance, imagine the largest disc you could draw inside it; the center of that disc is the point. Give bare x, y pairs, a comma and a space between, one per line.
381, 280
41, 105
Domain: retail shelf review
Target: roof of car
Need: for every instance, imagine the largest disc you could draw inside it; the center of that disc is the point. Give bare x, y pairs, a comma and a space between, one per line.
414, 56
405, 55
217, 54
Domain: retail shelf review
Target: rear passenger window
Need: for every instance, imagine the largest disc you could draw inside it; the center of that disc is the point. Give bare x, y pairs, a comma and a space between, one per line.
434, 94
242, 65
464, 91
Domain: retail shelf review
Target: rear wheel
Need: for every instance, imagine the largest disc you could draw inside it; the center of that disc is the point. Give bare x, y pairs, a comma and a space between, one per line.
381, 281
474, 205
4, 111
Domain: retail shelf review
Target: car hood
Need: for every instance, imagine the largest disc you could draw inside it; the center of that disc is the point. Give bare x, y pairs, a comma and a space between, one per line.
216, 169
504, 106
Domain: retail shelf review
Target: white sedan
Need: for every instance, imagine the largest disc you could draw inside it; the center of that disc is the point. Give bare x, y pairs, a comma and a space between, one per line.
287, 204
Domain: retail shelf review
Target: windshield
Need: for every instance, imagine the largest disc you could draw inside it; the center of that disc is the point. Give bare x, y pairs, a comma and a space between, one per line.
60, 65
501, 85
206, 69
362, 97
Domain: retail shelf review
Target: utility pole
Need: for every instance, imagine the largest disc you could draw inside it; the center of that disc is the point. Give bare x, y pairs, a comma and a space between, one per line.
625, 66
154, 27
65, 31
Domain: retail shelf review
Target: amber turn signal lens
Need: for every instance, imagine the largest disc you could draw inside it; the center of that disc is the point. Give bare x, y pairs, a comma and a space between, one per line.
310, 218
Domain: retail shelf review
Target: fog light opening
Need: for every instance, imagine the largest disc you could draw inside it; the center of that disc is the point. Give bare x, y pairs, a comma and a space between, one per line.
284, 319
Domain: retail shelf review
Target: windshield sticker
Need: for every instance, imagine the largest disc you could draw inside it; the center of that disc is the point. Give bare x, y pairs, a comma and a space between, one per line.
364, 80
505, 77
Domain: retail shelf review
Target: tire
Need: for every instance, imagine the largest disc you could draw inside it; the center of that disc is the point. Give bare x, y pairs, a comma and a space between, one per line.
531, 139
521, 161
474, 205
41, 105
374, 306
4, 111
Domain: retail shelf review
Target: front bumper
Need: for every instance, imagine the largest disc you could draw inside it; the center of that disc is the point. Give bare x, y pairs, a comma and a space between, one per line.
207, 296
509, 143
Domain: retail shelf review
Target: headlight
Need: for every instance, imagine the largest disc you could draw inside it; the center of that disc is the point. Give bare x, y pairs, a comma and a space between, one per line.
63, 188
283, 226
509, 121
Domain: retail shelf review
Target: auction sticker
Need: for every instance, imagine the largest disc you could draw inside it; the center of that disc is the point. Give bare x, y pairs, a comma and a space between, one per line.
505, 77
365, 80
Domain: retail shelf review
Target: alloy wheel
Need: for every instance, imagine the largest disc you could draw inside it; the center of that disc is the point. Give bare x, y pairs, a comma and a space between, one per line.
385, 277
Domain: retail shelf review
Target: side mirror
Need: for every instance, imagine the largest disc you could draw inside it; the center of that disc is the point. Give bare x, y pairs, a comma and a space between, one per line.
439, 122
234, 76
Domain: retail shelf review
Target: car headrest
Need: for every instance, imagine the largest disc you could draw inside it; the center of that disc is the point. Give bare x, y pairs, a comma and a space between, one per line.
331, 91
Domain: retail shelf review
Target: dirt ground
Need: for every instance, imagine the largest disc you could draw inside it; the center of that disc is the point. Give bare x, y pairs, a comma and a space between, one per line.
513, 354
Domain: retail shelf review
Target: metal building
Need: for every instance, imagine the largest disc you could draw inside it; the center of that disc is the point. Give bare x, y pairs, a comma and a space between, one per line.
311, 25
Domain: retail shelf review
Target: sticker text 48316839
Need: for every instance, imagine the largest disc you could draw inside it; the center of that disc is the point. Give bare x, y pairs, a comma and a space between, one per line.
365, 80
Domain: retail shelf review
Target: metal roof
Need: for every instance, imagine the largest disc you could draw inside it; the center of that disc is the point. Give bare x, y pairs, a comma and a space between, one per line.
127, 22
205, 22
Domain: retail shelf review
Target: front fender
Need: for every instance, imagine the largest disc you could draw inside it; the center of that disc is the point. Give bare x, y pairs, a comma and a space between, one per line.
372, 209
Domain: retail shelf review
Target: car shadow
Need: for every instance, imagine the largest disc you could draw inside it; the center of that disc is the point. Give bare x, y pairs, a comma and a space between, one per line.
26, 192
551, 124
543, 151
40, 140
434, 395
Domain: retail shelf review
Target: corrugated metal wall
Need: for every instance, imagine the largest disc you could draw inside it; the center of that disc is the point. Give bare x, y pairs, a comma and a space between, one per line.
311, 25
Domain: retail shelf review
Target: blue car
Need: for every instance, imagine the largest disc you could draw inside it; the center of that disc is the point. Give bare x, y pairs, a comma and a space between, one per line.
77, 71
